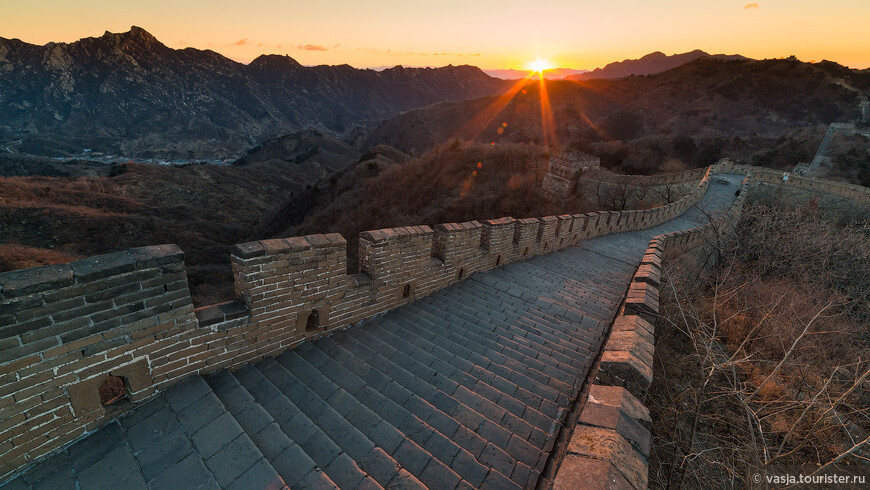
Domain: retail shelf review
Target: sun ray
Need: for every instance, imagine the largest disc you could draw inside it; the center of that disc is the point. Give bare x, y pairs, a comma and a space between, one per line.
548, 125
596, 90
472, 129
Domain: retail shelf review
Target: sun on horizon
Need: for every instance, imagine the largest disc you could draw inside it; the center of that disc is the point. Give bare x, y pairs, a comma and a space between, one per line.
539, 65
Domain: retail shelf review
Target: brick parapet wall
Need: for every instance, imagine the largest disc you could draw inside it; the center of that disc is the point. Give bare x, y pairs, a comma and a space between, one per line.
686, 176
64, 329
762, 175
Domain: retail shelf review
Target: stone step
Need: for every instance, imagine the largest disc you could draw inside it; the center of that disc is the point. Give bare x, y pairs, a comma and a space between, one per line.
331, 461
451, 353
395, 391
467, 338
500, 324
526, 389
302, 381
224, 446
286, 456
507, 341
566, 332
522, 375
527, 421
385, 418
571, 331
495, 423
511, 419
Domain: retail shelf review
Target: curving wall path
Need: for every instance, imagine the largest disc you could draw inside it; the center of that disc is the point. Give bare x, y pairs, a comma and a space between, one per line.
468, 379
464, 367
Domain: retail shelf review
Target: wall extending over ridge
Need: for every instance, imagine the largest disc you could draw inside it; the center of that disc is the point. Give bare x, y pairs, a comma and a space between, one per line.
693, 175
66, 328
762, 175
611, 442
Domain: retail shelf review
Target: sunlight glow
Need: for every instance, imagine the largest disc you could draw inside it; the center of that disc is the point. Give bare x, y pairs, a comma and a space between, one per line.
539, 65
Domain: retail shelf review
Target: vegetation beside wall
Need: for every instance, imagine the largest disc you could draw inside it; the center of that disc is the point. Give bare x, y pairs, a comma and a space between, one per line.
763, 361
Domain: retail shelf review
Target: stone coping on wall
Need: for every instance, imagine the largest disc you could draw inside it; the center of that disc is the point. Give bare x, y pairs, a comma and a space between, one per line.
66, 328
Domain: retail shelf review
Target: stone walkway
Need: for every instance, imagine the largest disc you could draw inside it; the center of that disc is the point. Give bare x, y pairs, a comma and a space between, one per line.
464, 388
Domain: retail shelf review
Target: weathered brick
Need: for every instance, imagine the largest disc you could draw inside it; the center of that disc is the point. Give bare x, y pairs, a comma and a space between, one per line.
248, 250
71, 346
54, 382
13, 306
54, 330
27, 349
83, 311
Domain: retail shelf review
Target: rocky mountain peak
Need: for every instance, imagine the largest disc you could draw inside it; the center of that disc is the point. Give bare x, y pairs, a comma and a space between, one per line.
274, 61
136, 36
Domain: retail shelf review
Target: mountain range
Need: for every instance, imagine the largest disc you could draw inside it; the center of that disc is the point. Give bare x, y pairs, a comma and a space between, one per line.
707, 98
652, 63
127, 93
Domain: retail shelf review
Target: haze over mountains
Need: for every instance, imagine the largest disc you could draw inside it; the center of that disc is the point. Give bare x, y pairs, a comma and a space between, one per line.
656, 62
130, 94
551, 74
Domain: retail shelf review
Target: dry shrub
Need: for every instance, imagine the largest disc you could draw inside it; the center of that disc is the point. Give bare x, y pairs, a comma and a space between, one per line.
763, 362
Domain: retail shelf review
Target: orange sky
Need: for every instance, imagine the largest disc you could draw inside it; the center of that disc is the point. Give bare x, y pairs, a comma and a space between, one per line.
487, 33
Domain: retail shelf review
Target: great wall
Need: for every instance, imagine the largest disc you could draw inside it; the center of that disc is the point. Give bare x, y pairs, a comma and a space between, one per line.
464, 355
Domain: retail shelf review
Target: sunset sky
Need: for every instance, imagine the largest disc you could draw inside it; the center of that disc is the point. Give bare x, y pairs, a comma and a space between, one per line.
489, 34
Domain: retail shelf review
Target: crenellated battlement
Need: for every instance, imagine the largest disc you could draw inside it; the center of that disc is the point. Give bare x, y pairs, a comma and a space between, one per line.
66, 329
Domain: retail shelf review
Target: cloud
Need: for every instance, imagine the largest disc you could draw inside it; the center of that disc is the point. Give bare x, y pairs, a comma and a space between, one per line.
750, 6
241, 42
311, 47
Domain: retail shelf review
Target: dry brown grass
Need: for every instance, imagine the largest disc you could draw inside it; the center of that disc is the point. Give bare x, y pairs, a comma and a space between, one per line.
16, 256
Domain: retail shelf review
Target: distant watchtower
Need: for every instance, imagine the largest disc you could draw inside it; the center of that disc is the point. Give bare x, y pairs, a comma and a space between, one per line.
562, 172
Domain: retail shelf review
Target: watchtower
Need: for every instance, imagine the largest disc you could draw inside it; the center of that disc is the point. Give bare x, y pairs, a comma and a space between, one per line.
563, 171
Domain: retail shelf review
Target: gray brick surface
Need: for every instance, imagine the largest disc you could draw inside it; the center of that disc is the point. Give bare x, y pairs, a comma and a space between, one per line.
190, 472
232, 460
114, 466
164, 453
